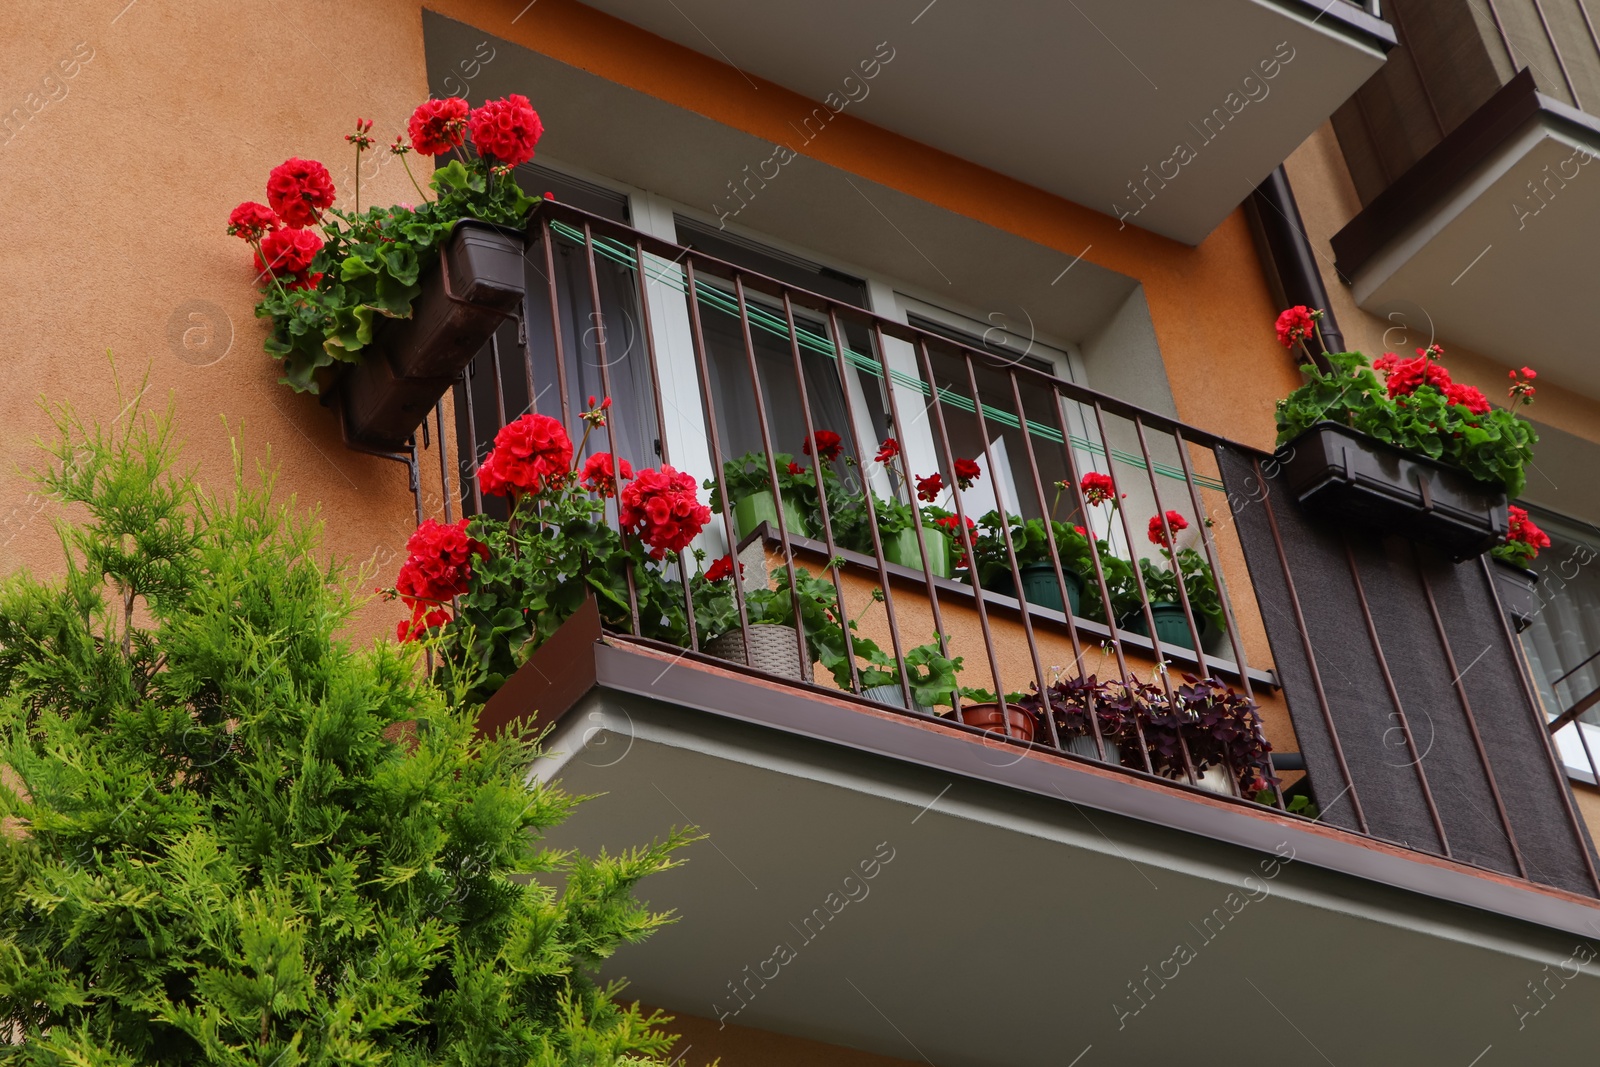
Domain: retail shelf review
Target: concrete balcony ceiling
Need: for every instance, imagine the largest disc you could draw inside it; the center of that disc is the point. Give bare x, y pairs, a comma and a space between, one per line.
1104, 102
1488, 240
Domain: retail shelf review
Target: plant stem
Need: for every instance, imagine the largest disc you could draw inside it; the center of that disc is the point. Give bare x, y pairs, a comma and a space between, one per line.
413, 178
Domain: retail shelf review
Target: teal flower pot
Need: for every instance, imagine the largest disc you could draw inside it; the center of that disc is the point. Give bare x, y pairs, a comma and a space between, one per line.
1171, 627
902, 549
1039, 587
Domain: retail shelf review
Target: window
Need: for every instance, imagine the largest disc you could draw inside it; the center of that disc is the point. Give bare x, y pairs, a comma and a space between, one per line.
1563, 642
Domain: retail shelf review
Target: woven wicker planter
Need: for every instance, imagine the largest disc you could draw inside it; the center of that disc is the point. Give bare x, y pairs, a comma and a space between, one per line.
773, 649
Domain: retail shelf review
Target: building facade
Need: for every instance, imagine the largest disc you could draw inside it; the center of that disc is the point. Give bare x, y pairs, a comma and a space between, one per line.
1051, 240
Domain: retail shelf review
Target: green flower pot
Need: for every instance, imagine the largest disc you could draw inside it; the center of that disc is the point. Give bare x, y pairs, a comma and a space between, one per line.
1171, 627
902, 549
1039, 586
751, 511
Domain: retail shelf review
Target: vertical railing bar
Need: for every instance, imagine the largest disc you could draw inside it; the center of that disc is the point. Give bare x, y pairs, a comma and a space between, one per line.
1055, 561
499, 387
415, 466
1394, 692
472, 435
698, 339
1466, 707
1573, 818
1310, 654
772, 470
1172, 551
555, 318
1144, 601
444, 459
890, 615
943, 441
1561, 64
1594, 39
527, 351
603, 350
1011, 555
822, 494
645, 328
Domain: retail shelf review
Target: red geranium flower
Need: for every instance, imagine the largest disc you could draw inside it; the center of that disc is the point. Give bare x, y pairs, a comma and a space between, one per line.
722, 569
437, 126
662, 509
827, 445
287, 251
506, 131
1296, 324
299, 190
1522, 388
1175, 521
888, 450
251, 221
598, 473
967, 472
1524, 532
1098, 488
530, 455
930, 487
438, 567
1469, 397
795, 468
305, 280
951, 524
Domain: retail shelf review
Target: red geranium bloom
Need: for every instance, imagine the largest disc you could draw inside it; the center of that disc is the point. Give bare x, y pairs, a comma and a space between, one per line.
305, 280
530, 455
1468, 397
1406, 376
438, 567
506, 131
1098, 488
1522, 388
888, 450
287, 251
437, 126
967, 472
1175, 521
598, 473
251, 221
1296, 324
722, 569
1524, 532
951, 524
930, 487
662, 509
795, 468
299, 190
827, 445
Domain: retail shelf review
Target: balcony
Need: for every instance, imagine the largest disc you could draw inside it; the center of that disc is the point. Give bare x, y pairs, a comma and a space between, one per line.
1445, 841
1469, 151
1153, 112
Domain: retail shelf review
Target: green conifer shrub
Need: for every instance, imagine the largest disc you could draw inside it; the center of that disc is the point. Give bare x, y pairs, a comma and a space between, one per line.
231, 838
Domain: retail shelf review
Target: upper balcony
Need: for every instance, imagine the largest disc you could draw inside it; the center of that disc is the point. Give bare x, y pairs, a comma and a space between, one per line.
1469, 151
1104, 821
1163, 113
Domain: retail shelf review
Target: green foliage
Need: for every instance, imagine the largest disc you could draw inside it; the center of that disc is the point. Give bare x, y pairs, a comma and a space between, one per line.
1161, 584
1495, 448
230, 838
371, 264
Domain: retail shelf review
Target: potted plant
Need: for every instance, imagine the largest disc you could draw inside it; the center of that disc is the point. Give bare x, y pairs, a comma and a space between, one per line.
1220, 728
385, 307
770, 611
1514, 580
748, 483
1078, 706
981, 708
485, 592
898, 519
1414, 452
1161, 588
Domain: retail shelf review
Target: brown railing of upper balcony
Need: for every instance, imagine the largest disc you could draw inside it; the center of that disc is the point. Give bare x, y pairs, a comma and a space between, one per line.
757, 364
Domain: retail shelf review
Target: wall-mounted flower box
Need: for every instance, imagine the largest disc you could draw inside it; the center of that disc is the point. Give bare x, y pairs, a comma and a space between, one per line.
476, 284
1347, 476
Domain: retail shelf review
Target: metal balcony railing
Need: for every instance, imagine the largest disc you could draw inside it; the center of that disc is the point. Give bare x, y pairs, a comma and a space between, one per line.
752, 352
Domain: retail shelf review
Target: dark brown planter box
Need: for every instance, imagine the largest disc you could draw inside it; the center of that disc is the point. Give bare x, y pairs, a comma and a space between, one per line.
413, 362
1349, 477
1515, 587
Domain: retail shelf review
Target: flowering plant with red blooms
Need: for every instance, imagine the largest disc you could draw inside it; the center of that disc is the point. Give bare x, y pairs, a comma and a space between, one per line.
438, 568
530, 455
889, 449
929, 488
1296, 325
1158, 533
722, 569
662, 509
371, 261
600, 472
1413, 404
1522, 390
1098, 488
1523, 542
826, 443
967, 473
287, 252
